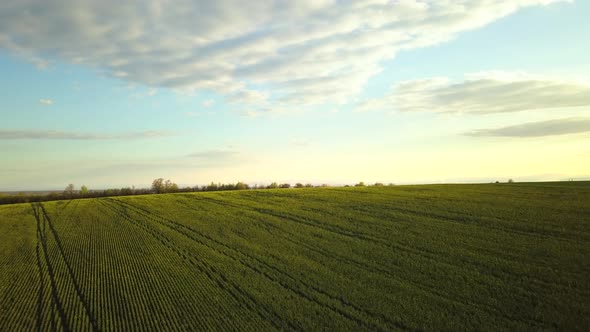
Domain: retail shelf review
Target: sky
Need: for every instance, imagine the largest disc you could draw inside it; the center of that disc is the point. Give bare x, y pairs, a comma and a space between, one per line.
112, 94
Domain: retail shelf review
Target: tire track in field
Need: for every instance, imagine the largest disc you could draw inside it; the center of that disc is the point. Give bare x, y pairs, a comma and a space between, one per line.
62, 208
339, 299
70, 271
421, 253
129, 294
151, 215
488, 254
331, 255
221, 281
454, 216
429, 255
205, 268
330, 229
40, 295
342, 259
438, 218
56, 302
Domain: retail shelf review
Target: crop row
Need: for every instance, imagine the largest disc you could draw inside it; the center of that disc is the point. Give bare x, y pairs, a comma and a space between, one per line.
391, 258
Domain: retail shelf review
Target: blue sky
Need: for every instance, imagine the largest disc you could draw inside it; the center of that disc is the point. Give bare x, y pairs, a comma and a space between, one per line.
311, 91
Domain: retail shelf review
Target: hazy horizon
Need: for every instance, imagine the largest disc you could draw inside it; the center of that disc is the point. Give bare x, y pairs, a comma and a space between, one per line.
547, 178
109, 94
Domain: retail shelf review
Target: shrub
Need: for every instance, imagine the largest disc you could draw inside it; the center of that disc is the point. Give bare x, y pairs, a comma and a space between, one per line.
241, 186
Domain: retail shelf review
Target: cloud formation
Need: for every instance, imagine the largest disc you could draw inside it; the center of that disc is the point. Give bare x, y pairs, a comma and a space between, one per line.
46, 101
482, 93
538, 129
216, 158
297, 52
6, 134
214, 154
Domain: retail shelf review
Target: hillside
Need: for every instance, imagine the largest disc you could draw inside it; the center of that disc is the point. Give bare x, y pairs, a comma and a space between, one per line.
437, 257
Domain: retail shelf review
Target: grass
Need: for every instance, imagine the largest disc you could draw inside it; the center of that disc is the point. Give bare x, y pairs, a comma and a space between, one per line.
436, 257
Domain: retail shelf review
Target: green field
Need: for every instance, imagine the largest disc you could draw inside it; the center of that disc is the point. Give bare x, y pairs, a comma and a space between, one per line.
437, 257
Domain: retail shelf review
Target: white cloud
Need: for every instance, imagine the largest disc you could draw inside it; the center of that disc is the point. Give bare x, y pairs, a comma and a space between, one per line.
266, 110
214, 154
303, 52
482, 93
536, 129
216, 157
46, 101
208, 103
249, 97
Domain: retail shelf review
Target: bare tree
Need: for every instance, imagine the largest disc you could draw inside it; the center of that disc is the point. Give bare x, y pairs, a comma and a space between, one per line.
70, 190
158, 186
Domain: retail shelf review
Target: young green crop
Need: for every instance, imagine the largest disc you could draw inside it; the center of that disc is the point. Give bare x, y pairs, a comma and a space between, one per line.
437, 257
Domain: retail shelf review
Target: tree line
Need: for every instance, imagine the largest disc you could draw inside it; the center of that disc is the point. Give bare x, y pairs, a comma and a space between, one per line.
159, 186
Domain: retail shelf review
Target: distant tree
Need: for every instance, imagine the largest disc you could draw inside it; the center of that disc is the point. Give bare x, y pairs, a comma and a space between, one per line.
378, 184
510, 181
241, 186
308, 185
126, 191
360, 184
391, 184
299, 185
173, 188
158, 186
83, 191
228, 186
69, 191
285, 185
273, 185
212, 187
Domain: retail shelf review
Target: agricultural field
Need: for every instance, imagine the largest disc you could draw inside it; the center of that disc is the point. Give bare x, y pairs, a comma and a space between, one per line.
436, 257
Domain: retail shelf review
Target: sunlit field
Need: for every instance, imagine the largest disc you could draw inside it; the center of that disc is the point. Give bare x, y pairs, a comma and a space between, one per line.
437, 257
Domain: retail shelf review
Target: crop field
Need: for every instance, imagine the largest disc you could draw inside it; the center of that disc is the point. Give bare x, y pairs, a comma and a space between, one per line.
437, 257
